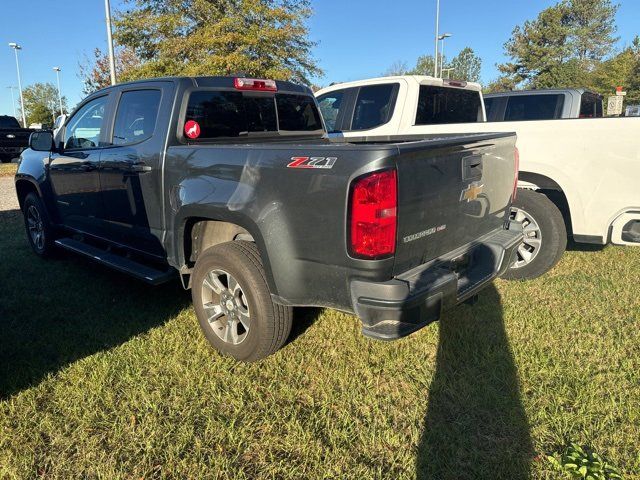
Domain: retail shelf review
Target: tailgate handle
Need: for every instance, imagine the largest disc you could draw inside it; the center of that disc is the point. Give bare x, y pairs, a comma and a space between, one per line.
472, 167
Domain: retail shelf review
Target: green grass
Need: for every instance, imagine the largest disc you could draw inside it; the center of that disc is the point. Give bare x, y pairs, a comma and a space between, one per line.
8, 169
104, 377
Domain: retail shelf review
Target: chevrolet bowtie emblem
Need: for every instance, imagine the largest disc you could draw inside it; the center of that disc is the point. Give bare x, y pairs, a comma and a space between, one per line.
472, 192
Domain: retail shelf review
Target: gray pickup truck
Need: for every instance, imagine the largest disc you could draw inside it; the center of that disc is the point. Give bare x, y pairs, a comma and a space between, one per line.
233, 184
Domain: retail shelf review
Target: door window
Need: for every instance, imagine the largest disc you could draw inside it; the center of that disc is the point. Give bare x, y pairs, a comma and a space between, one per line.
86, 126
330, 105
374, 106
136, 116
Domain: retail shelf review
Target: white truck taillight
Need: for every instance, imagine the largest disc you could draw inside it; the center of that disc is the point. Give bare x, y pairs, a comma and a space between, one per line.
373, 215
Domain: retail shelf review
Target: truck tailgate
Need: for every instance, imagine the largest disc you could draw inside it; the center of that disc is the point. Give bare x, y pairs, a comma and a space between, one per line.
450, 193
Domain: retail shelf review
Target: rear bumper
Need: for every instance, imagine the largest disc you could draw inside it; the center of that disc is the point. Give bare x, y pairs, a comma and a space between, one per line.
400, 306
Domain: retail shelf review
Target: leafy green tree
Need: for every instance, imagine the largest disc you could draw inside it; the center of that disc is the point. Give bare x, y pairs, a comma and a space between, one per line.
424, 65
619, 71
264, 38
41, 103
466, 65
95, 72
561, 44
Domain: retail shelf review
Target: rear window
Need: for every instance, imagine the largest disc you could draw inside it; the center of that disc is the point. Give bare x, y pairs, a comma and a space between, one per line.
534, 107
439, 105
9, 122
489, 105
235, 114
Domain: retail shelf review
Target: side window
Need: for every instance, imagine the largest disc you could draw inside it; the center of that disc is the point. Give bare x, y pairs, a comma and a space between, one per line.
136, 116
534, 107
590, 106
374, 106
330, 105
86, 126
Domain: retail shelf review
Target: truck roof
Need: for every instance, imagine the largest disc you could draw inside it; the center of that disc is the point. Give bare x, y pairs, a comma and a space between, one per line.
416, 79
541, 91
211, 82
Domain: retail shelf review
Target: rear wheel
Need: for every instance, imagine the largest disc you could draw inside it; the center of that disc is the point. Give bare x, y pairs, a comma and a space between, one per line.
233, 303
545, 236
36, 221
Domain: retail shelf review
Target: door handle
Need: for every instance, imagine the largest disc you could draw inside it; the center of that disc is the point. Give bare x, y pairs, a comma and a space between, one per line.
139, 167
87, 167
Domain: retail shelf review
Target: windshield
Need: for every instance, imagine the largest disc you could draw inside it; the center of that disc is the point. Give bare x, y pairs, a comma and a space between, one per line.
233, 114
9, 122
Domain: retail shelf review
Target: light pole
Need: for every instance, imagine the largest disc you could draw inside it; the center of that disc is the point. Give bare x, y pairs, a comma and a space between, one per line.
17, 47
112, 62
435, 58
13, 101
442, 39
58, 70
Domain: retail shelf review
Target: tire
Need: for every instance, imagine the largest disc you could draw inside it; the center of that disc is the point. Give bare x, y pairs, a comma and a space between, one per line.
240, 321
40, 232
545, 236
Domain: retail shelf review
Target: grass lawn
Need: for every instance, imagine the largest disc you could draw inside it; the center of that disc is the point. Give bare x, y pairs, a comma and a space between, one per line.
105, 377
8, 169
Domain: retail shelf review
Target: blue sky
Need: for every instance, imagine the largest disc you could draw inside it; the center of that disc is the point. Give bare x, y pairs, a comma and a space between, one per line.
356, 38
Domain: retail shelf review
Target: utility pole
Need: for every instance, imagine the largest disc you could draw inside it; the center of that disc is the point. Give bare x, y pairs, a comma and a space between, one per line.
435, 58
112, 62
13, 101
57, 70
17, 47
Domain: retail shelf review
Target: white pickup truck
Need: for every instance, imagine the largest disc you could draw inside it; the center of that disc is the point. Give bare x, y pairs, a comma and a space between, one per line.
578, 177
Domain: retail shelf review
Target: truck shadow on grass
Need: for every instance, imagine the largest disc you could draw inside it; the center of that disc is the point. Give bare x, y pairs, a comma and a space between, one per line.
475, 426
56, 311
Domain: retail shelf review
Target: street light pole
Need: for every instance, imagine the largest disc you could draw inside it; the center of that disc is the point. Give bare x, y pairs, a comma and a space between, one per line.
435, 58
112, 62
57, 70
442, 38
13, 101
17, 47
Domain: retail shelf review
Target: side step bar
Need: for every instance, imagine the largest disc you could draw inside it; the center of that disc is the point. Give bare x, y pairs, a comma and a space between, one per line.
117, 262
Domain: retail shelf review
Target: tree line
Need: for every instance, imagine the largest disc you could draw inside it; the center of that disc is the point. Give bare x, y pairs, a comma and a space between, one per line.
570, 44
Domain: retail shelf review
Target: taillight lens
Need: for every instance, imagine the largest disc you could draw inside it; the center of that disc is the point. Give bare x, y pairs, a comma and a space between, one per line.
374, 214
515, 182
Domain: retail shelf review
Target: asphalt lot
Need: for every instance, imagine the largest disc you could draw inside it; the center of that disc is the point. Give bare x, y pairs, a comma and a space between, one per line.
8, 199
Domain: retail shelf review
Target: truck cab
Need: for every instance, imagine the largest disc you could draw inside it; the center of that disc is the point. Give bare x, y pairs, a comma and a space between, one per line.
522, 105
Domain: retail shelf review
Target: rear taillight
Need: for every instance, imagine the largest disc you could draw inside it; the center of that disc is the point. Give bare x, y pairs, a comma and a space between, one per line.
255, 84
515, 181
373, 216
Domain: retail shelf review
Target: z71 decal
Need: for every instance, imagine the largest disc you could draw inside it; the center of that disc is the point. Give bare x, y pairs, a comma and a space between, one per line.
312, 162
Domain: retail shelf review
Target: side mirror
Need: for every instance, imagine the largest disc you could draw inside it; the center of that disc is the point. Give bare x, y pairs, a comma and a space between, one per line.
41, 141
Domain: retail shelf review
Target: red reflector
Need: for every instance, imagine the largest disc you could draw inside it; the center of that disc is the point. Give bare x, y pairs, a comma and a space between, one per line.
255, 84
515, 182
374, 203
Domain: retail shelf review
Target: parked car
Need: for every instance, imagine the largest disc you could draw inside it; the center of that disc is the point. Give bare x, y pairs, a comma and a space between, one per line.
13, 138
523, 105
577, 176
233, 184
